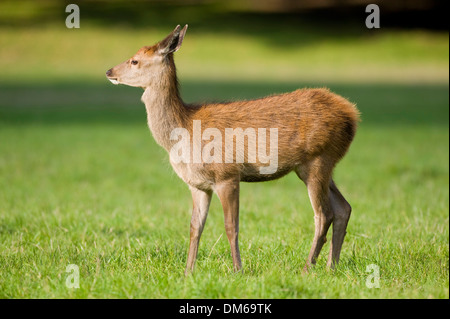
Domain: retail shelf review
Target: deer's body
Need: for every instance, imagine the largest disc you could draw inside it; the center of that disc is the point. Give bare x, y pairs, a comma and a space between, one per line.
314, 131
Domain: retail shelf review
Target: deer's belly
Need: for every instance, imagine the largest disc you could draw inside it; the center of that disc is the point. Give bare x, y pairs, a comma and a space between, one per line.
194, 175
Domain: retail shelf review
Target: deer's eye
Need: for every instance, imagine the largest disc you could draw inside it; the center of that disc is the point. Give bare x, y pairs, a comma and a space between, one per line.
134, 62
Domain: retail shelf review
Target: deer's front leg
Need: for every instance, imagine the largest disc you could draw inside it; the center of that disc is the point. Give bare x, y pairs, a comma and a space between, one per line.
228, 193
201, 201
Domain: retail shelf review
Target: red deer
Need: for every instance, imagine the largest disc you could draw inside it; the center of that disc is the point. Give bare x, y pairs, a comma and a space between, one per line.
314, 131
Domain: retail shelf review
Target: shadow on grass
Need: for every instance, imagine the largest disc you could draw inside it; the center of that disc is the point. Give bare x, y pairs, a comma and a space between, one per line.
72, 103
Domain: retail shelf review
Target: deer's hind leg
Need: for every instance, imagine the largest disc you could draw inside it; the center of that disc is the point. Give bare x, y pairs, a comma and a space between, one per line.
317, 176
341, 215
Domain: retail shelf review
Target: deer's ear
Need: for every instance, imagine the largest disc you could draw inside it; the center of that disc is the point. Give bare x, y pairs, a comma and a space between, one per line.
173, 41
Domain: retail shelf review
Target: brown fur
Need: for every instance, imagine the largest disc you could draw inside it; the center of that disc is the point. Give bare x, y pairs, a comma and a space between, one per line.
315, 130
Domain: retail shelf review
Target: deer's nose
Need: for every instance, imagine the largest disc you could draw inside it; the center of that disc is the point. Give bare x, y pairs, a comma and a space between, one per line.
109, 72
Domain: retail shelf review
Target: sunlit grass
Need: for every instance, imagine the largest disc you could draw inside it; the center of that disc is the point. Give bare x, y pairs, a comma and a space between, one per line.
82, 182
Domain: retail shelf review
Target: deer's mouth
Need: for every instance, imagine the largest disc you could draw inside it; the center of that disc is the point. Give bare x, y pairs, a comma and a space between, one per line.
113, 80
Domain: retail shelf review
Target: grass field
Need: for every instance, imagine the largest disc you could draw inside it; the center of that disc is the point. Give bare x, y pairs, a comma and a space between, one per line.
83, 182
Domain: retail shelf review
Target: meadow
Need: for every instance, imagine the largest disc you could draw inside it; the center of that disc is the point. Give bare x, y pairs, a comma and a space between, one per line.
83, 182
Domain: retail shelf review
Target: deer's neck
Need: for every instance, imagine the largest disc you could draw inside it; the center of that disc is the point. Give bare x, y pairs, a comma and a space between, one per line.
165, 109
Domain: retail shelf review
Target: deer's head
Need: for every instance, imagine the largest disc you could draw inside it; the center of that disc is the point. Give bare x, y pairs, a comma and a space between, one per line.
147, 65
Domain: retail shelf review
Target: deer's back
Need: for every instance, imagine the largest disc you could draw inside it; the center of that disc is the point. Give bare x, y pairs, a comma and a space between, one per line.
309, 121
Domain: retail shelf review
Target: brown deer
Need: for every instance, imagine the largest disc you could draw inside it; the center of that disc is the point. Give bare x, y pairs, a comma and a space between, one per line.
314, 131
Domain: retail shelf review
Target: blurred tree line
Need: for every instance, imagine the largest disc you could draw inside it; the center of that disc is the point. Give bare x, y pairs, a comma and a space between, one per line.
430, 14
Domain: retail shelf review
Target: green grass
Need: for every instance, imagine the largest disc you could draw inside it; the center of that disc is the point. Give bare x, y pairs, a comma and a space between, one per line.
84, 183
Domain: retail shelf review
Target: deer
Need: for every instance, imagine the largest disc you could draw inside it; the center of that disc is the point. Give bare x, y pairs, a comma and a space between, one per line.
315, 128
